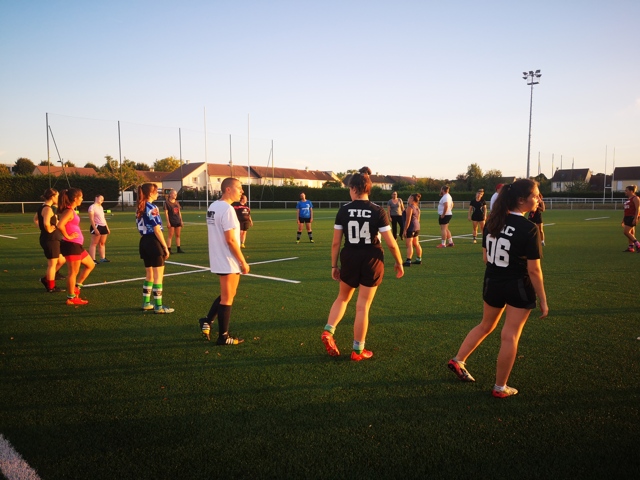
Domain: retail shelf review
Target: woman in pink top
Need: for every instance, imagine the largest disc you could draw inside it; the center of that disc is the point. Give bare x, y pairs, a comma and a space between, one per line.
71, 245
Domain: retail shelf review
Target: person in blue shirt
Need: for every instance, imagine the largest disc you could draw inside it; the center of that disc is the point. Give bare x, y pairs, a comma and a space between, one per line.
153, 247
304, 209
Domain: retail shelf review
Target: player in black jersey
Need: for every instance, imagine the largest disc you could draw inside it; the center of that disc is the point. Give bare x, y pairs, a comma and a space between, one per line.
361, 223
513, 277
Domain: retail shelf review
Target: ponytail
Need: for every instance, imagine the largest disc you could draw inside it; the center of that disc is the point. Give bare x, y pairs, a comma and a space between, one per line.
67, 197
144, 192
360, 181
507, 200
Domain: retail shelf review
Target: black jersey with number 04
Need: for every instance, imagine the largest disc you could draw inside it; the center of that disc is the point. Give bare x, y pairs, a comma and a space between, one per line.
360, 222
507, 255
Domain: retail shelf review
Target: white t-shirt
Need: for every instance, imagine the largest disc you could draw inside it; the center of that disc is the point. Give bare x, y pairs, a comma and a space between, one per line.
448, 201
221, 217
494, 197
98, 214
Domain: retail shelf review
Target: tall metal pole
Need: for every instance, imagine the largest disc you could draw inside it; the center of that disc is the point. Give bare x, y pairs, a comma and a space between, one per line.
248, 158
532, 79
48, 152
120, 156
181, 177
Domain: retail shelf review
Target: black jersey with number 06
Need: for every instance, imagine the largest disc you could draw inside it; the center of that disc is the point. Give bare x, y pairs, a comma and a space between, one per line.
360, 222
507, 255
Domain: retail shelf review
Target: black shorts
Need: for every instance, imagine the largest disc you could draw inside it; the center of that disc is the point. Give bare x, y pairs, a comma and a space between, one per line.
102, 230
444, 220
518, 293
628, 220
362, 266
412, 233
50, 246
151, 251
71, 249
477, 218
176, 224
304, 220
244, 226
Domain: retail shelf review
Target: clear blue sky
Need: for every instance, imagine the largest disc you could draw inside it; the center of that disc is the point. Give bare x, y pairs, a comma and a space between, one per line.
406, 87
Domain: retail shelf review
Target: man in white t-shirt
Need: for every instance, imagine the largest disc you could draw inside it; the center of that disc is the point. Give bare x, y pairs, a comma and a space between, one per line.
445, 212
225, 259
494, 197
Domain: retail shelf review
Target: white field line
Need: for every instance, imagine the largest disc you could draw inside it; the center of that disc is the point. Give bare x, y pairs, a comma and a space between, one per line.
7, 236
595, 218
199, 269
12, 465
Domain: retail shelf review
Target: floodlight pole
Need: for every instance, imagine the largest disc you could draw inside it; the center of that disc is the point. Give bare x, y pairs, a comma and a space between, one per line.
532, 79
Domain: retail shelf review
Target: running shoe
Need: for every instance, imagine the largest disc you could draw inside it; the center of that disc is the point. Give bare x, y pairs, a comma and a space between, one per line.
330, 343
507, 392
147, 306
629, 249
76, 301
229, 340
297, 241
407, 263
55, 290
417, 262
96, 261
105, 260
474, 241
242, 245
163, 309
205, 328
451, 245
312, 241
441, 246
459, 369
44, 282
366, 354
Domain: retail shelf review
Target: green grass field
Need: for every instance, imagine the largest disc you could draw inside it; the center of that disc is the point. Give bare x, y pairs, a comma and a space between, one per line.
106, 391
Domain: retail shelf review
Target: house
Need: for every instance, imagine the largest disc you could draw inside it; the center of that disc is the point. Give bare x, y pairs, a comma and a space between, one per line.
154, 177
562, 180
624, 176
57, 171
381, 181
291, 176
188, 176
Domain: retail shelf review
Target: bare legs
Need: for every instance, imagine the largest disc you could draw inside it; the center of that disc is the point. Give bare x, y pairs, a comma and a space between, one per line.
363, 304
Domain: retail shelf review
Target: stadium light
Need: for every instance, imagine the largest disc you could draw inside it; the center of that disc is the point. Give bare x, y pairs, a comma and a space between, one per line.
532, 79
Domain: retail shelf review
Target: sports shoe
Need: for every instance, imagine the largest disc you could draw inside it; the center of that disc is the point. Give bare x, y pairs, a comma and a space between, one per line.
105, 260
507, 392
59, 276
229, 340
44, 282
55, 290
462, 373
441, 246
147, 306
407, 263
180, 250
205, 328
356, 357
330, 344
417, 262
312, 241
163, 309
629, 249
542, 243
242, 245
76, 301
76, 291
297, 241
96, 261
451, 245
474, 241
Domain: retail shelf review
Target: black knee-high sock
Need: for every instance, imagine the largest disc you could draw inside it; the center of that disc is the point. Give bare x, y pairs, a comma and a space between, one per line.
213, 311
310, 233
224, 316
298, 235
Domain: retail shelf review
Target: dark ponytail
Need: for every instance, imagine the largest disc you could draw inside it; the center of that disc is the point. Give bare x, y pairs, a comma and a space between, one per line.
360, 181
507, 200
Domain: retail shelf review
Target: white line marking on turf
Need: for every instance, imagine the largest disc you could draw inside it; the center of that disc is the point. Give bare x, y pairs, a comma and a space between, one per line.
595, 218
7, 236
199, 269
12, 464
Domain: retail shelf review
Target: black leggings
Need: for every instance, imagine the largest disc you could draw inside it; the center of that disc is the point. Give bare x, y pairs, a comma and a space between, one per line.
396, 221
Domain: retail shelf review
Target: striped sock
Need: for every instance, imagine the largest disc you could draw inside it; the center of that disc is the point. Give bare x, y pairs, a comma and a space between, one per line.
157, 294
330, 329
146, 291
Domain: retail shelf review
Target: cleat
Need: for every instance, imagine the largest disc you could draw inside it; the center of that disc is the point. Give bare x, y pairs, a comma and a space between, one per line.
330, 344
229, 340
205, 328
417, 262
366, 354
44, 282
451, 245
507, 392
630, 249
147, 306
312, 241
242, 245
55, 290
459, 369
407, 263
542, 243
180, 250
474, 241
105, 260
96, 261
76, 301
441, 246
163, 309
297, 241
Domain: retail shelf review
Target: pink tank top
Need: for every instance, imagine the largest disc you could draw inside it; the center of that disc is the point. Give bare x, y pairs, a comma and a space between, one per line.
72, 226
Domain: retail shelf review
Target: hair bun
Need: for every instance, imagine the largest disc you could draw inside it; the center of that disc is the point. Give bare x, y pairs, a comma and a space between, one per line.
365, 171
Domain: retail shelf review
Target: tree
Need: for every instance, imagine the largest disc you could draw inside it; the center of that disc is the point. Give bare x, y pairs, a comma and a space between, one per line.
4, 171
91, 165
23, 166
45, 163
491, 179
142, 166
332, 184
126, 179
168, 164
69, 164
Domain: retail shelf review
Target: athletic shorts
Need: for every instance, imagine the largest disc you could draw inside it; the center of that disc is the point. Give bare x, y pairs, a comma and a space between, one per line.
304, 220
628, 220
175, 225
151, 251
362, 266
244, 226
412, 233
516, 293
102, 230
72, 251
50, 246
477, 218
445, 220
